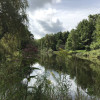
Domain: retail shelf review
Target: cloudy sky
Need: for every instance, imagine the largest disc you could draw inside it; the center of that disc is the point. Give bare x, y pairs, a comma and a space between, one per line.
51, 16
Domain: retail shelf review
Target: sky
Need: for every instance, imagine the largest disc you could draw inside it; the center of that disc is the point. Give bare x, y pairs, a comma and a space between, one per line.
52, 16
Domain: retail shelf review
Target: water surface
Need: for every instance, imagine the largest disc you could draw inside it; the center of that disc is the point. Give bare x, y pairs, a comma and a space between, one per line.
50, 78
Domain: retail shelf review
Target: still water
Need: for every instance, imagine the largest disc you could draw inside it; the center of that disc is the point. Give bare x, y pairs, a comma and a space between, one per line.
49, 78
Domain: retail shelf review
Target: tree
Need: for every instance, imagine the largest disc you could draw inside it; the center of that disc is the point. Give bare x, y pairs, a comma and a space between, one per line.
81, 37
14, 33
96, 42
84, 33
12, 16
72, 41
65, 36
59, 44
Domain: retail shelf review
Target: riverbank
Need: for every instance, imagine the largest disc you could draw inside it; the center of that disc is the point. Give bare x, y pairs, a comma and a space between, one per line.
93, 55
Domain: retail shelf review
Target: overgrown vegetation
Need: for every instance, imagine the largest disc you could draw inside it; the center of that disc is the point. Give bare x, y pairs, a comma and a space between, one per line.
14, 33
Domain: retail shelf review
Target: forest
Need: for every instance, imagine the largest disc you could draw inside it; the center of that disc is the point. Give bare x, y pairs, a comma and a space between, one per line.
84, 37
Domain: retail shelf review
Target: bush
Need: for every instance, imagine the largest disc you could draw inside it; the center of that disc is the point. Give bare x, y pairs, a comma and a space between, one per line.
50, 51
95, 45
87, 47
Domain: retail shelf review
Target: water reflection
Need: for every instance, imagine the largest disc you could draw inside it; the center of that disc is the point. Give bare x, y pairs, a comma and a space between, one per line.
49, 78
85, 74
55, 79
12, 72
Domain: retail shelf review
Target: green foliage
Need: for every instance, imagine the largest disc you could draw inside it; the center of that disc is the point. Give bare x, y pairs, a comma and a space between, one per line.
12, 16
72, 41
59, 43
96, 42
85, 33
53, 41
14, 33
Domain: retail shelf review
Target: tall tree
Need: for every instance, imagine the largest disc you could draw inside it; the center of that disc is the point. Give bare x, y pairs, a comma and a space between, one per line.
12, 16
96, 36
72, 41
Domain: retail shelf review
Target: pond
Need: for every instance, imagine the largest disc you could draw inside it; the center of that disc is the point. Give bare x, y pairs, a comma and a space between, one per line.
49, 78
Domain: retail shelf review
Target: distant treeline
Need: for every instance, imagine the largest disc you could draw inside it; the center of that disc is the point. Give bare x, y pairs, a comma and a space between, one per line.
85, 36
53, 41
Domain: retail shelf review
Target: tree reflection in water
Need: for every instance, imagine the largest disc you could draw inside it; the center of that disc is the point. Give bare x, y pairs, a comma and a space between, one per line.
53, 80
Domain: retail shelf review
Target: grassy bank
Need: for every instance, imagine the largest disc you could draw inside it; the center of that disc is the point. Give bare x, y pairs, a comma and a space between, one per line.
93, 55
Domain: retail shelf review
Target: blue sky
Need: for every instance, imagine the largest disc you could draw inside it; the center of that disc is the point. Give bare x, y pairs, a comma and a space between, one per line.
51, 16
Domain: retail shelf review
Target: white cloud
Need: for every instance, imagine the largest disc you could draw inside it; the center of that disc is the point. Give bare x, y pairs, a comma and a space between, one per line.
38, 4
51, 27
44, 21
70, 19
50, 16
56, 1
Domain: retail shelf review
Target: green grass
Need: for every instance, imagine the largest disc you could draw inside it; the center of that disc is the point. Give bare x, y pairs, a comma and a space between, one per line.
61, 52
93, 55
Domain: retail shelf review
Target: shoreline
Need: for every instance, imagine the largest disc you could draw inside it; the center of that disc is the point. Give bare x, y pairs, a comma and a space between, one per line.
93, 55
